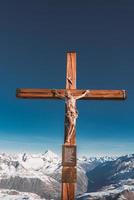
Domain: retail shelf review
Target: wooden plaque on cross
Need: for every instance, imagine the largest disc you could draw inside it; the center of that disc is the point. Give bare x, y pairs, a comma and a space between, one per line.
71, 95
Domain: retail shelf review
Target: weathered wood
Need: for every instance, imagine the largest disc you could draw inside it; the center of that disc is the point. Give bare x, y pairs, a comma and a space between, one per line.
69, 155
69, 175
51, 94
71, 71
69, 191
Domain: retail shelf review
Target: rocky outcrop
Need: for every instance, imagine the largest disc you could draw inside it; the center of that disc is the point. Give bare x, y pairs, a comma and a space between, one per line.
32, 185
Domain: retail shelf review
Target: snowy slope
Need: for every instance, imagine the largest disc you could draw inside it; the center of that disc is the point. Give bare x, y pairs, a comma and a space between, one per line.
35, 173
15, 195
30, 173
35, 176
111, 180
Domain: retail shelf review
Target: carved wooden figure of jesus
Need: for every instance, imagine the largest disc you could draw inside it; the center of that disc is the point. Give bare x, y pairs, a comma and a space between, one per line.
72, 113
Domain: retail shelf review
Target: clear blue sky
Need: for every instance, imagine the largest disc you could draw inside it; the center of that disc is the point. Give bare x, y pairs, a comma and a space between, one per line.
34, 38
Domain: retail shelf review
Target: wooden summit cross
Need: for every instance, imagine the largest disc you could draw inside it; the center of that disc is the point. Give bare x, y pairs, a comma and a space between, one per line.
70, 94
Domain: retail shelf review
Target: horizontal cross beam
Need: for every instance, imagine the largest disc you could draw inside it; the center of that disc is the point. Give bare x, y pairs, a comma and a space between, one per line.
52, 94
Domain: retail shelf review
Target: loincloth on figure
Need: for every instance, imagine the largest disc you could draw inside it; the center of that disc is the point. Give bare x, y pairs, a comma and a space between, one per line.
71, 115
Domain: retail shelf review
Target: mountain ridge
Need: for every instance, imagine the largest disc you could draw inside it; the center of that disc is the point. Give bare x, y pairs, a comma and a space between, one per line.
40, 175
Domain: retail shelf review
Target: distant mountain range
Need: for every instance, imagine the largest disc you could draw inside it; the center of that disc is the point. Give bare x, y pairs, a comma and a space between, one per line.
38, 176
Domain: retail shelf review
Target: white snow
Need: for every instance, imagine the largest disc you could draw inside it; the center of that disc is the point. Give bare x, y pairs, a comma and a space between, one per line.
33, 163
109, 190
15, 195
44, 166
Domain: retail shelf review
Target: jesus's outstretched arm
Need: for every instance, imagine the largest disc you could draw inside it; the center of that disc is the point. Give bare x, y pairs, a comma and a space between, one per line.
83, 95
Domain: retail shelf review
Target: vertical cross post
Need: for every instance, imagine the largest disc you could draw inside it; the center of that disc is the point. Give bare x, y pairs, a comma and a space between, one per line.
69, 171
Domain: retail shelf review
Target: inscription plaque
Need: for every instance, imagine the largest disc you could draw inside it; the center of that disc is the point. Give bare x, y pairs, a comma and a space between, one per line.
69, 155
69, 175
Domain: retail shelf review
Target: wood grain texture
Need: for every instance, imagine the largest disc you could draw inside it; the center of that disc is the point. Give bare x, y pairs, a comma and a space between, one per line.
69, 155
92, 95
71, 71
69, 191
69, 175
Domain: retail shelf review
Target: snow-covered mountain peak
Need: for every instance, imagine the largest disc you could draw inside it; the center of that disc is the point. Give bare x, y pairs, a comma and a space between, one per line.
34, 163
25, 172
98, 159
50, 156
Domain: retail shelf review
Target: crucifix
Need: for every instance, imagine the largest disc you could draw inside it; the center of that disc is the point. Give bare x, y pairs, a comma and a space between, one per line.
70, 95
